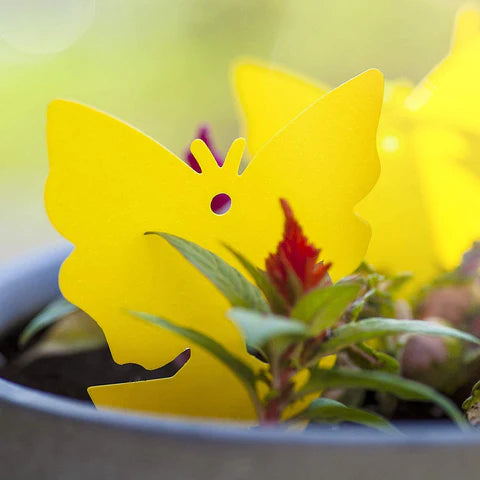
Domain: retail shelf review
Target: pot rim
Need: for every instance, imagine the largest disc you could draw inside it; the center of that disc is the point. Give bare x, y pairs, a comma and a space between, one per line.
41, 269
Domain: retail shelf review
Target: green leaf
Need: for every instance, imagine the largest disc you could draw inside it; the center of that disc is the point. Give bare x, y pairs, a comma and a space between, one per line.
398, 281
402, 388
473, 399
379, 327
331, 411
73, 333
364, 356
260, 328
358, 305
323, 307
243, 372
472, 406
55, 311
229, 281
276, 301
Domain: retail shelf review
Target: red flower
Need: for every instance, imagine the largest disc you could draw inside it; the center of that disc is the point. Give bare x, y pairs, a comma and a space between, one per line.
294, 268
203, 133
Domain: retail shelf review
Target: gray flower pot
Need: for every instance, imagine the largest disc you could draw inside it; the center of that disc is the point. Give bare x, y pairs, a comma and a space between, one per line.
43, 436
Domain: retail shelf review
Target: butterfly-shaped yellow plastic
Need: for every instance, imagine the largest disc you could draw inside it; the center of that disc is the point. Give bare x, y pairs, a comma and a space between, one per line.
109, 183
425, 209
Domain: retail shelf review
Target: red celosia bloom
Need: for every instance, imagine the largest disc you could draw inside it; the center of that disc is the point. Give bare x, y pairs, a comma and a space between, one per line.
294, 268
204, 134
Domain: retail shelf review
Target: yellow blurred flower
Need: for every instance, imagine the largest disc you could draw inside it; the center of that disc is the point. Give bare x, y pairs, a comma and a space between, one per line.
109, 184
424, 210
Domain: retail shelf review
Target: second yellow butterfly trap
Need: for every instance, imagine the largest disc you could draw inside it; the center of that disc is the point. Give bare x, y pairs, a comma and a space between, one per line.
255, 271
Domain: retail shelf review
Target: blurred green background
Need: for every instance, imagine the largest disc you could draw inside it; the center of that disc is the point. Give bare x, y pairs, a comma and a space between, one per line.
163, 66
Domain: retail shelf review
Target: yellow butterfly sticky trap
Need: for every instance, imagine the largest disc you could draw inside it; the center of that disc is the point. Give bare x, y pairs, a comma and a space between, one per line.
438, 127
109, 184
428, 138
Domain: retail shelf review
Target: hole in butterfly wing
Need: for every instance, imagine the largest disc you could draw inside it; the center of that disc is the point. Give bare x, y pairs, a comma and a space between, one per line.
221, 204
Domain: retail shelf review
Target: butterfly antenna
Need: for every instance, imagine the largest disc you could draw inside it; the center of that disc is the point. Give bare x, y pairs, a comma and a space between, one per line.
203, 155
234, 156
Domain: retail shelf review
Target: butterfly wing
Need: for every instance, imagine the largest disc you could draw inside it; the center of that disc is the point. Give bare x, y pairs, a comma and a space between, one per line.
269, 99
445, 109
451, 192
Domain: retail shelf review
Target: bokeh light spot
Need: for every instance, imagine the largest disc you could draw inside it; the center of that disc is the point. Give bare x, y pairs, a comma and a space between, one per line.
41, 27
390, 143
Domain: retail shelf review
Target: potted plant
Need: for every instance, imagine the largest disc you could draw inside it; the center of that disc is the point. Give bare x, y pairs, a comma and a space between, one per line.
222, 323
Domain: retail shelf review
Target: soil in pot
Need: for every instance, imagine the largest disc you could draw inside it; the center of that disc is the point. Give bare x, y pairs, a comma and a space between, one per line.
49, 364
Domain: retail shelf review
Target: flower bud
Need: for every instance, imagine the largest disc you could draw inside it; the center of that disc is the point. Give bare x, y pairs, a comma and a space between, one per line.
294, 268
435, 361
